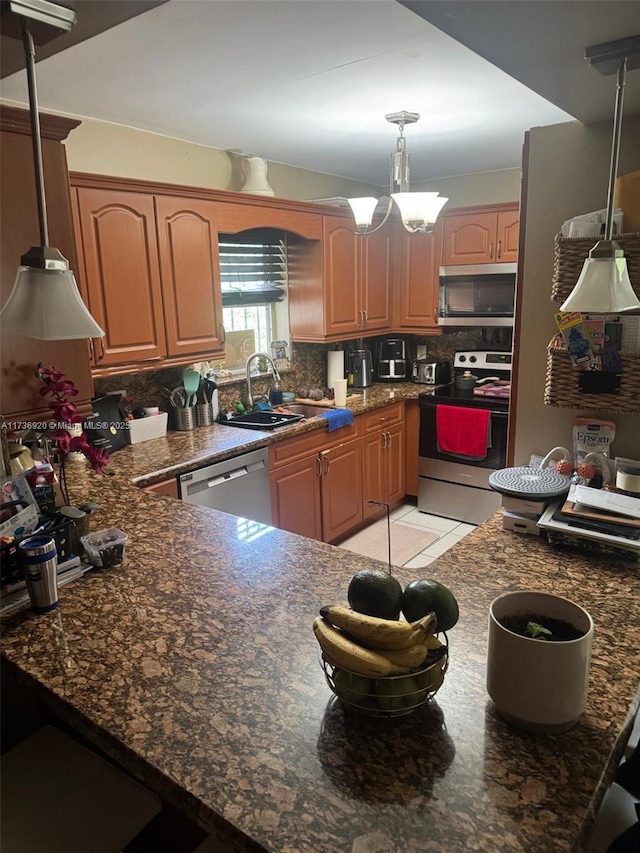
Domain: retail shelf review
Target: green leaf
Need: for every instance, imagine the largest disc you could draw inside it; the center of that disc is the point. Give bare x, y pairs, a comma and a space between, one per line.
537, 632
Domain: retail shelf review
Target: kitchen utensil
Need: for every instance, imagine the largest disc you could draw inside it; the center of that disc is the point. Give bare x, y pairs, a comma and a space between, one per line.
191, 382
466, 382
184, 418
178, 397
204, 414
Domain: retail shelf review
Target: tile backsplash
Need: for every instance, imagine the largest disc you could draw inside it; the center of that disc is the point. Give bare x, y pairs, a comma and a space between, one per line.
308, 368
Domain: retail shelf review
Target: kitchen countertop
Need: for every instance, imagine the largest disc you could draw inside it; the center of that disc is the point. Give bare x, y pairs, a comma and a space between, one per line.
194, 665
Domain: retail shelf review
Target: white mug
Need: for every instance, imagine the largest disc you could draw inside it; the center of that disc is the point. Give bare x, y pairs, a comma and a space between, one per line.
340, 392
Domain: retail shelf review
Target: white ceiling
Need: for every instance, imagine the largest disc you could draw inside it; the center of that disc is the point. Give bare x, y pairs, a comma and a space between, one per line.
302, 82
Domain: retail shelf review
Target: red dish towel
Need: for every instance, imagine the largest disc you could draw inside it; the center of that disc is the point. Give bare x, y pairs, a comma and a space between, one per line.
462, 431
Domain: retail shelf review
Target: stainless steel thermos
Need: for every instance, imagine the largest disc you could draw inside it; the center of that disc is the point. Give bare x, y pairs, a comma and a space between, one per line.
39, 557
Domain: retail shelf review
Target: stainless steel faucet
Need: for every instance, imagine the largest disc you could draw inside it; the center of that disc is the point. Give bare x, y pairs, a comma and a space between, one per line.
274, 370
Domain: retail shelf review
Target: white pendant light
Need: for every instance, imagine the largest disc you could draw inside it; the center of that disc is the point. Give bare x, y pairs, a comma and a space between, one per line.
604, 286
45, 302
418, 211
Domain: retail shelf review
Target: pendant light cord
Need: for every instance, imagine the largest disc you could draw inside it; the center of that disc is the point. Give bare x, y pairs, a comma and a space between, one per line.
615, 147
30, 56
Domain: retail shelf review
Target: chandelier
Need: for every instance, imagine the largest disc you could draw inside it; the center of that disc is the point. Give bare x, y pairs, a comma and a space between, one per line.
418, 211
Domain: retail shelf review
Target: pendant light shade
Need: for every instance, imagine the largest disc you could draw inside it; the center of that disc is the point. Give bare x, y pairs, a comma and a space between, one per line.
45, 302
604, 286
418, 211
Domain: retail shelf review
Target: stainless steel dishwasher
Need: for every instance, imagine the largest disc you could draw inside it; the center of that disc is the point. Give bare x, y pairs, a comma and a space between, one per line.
239, 486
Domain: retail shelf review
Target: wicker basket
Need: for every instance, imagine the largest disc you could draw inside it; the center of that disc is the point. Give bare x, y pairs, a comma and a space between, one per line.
571, 253
561, 385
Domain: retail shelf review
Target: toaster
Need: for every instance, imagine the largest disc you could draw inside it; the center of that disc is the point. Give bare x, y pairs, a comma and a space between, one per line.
431, 371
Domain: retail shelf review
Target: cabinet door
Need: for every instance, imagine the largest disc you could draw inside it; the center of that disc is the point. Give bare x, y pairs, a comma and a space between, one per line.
122, 276
169, 488
373, 479
470, 239
19, 397
419, 268
393, 453
342, 303
188, 243
508, 232
374, 276
341, 488
295, 497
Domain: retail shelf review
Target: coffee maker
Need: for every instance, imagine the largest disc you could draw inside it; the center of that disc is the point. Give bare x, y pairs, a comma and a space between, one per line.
360, 373
392, 364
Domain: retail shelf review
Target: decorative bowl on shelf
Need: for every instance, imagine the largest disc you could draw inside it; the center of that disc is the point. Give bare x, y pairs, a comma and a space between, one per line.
389, 695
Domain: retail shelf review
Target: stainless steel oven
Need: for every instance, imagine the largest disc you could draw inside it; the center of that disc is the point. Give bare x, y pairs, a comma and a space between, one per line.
454, 481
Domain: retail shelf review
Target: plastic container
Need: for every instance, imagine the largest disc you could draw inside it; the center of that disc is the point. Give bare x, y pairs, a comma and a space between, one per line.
288, 396
105, 548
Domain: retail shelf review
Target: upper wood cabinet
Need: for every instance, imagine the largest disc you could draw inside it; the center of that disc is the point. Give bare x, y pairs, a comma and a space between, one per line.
188, 243
19, 397
122, 274
151, 275
346, 292
483, 236
416, 269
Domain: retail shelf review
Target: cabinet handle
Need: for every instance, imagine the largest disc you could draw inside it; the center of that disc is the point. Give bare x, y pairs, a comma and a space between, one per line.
361, 318
491, 249
435, 315
223, 334
366, 318
92, 352
326, 463
319, 461
101, 356
499, 248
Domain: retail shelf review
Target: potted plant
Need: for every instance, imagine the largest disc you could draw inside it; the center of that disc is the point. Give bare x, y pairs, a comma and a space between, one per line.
538, 659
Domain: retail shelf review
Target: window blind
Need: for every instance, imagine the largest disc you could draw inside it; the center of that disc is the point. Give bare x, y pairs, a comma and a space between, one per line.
253, 267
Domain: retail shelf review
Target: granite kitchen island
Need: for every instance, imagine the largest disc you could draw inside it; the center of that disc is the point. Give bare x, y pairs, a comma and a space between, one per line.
194, 666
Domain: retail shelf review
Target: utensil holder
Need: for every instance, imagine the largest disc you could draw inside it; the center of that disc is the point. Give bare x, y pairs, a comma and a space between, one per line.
204, 414
184, 419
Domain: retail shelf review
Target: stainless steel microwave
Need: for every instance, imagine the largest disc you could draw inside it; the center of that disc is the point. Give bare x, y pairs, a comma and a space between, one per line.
477, 295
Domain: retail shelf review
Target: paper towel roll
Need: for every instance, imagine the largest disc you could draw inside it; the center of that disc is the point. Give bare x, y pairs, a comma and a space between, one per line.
335, 366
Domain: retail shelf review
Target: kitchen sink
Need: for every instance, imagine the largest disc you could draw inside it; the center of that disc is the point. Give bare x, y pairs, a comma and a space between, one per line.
262, 420
304, 410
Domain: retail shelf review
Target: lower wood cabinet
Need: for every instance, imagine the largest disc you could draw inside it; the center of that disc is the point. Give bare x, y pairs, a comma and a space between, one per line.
316, 483
168, 488
411, 446
383, 455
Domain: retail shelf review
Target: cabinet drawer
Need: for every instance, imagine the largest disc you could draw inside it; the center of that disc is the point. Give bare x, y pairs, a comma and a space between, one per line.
382, 418
313, 442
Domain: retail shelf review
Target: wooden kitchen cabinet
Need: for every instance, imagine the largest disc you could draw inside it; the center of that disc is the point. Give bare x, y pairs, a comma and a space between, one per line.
20, 401
190, 273
481, 236
316, 483
168, 488
417, 270
383, 458
122, 274
346, 295
411, 446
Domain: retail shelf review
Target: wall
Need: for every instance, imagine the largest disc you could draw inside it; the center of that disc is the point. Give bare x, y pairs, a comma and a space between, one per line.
111, 149
479, 188
568, 174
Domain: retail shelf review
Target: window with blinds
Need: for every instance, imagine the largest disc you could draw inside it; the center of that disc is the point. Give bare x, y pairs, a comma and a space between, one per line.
253, 267
253, 271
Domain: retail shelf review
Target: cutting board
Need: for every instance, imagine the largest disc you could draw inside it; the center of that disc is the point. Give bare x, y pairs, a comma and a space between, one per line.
308, 402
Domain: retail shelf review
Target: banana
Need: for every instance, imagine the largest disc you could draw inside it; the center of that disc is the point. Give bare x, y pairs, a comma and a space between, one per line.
381, 634
413, 657
345, 653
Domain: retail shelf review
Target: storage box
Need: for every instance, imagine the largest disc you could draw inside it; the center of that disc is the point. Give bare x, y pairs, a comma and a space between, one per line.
523, 506
105, 548
144, 429
520, 524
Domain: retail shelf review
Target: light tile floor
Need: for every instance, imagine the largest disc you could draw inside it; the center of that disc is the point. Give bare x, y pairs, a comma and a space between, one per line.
447, 530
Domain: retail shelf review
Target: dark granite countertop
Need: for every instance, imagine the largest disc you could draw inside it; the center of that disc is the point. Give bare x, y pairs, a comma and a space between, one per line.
194, 665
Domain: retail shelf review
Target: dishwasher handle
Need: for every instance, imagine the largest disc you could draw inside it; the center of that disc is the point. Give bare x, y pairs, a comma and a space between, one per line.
226, 478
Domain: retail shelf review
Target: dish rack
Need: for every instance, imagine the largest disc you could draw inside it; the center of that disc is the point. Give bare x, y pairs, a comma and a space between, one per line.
387, 696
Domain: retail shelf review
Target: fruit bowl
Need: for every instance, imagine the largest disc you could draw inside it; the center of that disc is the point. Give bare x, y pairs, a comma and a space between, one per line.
389, 695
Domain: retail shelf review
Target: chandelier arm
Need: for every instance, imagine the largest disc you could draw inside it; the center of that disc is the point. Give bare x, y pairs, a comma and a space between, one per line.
378, 227
30, 56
